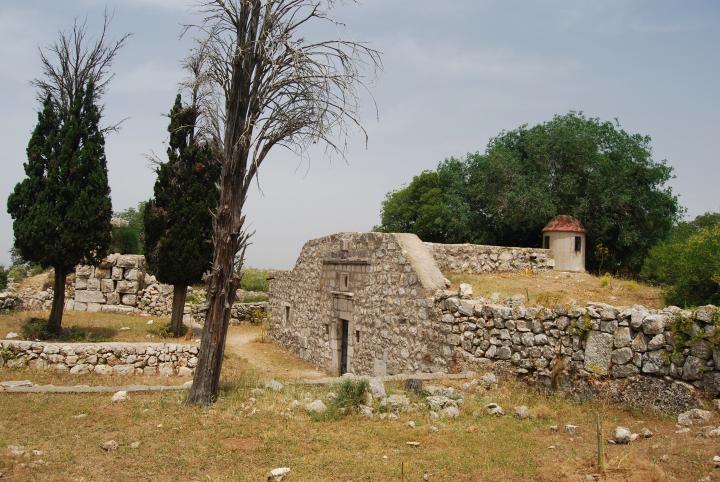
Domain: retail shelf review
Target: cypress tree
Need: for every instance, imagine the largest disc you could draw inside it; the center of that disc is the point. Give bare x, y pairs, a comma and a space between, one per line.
61, 211
178, 221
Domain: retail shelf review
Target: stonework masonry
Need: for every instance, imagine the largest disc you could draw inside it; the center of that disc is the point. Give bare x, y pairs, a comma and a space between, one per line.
477, 258
120, 284
354, 302
101, 358
111, 287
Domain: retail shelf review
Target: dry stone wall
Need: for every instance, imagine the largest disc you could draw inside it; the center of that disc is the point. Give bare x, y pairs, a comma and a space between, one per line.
600, 340
111, 287
477, 258
101, 358
121, 285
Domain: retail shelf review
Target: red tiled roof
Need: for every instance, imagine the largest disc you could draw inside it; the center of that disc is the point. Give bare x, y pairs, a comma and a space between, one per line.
564, 224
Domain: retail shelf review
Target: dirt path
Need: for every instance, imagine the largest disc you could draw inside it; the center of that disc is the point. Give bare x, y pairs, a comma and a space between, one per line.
270, 360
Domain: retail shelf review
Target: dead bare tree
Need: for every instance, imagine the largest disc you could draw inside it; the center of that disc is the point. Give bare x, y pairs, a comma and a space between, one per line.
73, 61
265, 86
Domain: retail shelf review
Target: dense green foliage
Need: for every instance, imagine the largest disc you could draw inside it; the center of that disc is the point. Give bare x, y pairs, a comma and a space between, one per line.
688, 261
349, 395
254, 279
178, 220
3, 277
129, 238
61, 210
573, 164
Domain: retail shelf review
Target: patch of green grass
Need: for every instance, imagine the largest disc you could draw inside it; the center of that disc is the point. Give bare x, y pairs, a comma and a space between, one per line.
254, 279
254, 298
37, 329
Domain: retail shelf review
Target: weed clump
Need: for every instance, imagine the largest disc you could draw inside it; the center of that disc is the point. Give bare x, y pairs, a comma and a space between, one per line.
349, 395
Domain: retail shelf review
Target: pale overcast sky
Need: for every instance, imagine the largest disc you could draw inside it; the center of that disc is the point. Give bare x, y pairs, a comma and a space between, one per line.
456, 73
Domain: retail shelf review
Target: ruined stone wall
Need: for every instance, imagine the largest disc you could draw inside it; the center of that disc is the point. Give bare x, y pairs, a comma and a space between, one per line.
390, 325
111, 287
101, 358
121, 285
478, 258
601, 340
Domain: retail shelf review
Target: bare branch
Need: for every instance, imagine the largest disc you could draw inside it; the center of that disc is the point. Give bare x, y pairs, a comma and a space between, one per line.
72, 61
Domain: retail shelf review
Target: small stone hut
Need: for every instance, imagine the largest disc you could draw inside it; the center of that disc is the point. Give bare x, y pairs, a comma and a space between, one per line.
565, 237
365, 302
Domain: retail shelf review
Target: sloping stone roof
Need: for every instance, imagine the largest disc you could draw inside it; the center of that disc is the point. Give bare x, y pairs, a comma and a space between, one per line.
564, 224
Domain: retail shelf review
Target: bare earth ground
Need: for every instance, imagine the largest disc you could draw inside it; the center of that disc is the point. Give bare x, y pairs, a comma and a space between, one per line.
244, 435
549, 288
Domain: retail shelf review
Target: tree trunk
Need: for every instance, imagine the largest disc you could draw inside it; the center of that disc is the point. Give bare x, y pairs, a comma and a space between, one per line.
178, 309
55, 322
220, 293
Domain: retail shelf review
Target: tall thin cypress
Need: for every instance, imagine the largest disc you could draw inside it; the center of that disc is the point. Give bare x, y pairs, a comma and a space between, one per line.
61, 211
178, 220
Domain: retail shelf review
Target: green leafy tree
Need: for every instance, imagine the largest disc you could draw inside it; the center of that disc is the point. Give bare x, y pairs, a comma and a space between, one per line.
573, 164
61, 210
178, 221
3, 277
688, 262
128, 236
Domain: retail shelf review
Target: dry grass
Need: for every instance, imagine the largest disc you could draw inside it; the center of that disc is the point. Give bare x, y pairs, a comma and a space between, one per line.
242, 439
108, 325
550, 288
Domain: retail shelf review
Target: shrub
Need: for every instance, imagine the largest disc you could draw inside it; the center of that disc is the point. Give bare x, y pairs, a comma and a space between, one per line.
254, 279
689, 263
36, 329
3, 277
605, 280
125, 240
350, 394
17, 272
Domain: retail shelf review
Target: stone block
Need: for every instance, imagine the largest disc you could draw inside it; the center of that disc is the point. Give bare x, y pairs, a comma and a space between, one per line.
103, 273
85, 296
598, 350
129, 300
113, 298
107, 285
94, 307
93, 284
127, 287
117, 273
132, 274
125, 310
130, 261
81, 283
84, 271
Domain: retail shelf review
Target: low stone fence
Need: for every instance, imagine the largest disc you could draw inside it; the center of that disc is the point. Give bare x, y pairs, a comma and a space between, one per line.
478, 258
599, 340
101, 358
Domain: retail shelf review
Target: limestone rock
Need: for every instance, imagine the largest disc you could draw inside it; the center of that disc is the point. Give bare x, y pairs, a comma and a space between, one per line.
274, 385
119, 397
377, 388
465, 291
598, 352
110, 446
316, 406
397, 402
522, 412
571, 429
11, 336
276, 475
494, 409
693, 416
622, 435
449, 412
489, 380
